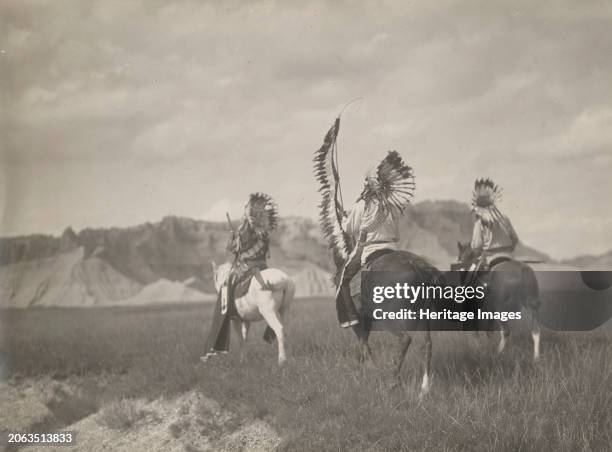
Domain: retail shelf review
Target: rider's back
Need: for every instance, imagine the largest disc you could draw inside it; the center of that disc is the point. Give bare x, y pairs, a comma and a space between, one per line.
381, 227
499, 235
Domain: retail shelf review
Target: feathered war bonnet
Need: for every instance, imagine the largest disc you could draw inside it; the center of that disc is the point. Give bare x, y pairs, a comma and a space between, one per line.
486, 194
261, 213
391, 183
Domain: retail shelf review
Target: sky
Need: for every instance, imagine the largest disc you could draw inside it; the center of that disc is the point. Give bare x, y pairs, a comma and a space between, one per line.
122, 112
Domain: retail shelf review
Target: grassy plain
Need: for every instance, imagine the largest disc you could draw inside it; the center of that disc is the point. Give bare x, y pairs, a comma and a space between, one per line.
323, 400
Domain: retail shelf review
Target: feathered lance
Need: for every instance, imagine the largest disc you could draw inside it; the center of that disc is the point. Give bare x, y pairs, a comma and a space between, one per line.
229, 222
326, 173
335, 151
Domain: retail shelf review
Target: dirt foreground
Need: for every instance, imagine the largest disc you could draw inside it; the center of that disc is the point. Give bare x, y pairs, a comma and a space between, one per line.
189, 422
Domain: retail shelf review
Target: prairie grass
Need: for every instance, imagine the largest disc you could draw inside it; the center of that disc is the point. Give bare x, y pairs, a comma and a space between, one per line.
121, 414
324, 400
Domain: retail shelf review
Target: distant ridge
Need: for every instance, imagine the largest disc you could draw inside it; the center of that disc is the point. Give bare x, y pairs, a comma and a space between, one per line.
590, 262
173, 257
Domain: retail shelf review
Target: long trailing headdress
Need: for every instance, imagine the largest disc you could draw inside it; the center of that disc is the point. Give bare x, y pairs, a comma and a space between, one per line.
486, 193
391, 183
261, 213
332, 211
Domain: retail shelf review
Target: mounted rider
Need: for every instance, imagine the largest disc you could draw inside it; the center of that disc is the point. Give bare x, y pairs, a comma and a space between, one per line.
494, 238
250, 245
373, 225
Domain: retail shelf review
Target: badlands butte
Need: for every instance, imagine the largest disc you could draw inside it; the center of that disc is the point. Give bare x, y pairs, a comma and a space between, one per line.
170, 261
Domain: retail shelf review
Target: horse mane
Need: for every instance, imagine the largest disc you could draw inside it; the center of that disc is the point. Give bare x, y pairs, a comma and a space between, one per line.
466, 253
220, 268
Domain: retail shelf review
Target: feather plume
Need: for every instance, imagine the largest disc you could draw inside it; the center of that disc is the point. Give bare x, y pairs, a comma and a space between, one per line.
486, 193
261, 212
391, 183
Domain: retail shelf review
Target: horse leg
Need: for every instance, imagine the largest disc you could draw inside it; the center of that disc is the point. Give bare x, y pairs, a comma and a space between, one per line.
271, 316
425, 384
363, 335
245, 330
404, 343
284, 308
535, 334
239, 326
504, 333
490, 328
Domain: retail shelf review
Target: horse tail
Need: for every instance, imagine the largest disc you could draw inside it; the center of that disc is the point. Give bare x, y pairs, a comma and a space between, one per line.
288, 294
532, 289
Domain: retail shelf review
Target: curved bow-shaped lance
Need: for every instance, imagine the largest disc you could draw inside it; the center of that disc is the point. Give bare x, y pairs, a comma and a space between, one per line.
332, 211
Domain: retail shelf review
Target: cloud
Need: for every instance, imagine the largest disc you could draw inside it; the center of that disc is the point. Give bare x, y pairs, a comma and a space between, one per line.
588, 135
201, 101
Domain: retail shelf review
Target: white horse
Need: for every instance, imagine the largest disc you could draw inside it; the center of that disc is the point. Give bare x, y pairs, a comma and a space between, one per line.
259, 304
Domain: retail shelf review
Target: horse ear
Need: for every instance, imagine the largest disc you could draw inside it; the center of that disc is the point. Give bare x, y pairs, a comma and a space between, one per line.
214, 266
459, 246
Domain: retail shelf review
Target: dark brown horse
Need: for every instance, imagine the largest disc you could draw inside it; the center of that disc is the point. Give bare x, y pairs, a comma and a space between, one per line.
511, 285
331, 219
416, 271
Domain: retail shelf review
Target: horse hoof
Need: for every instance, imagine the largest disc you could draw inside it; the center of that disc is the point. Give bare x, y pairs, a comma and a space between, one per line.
425, 387
423, 392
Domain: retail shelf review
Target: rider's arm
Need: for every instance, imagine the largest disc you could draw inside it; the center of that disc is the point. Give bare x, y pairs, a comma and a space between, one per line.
232, 243
352, 222
252, 249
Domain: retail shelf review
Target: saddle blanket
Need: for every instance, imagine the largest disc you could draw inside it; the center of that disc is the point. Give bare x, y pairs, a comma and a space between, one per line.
242, 288
355, 282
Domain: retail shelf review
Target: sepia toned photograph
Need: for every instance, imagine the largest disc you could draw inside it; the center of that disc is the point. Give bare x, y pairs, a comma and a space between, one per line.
258, 225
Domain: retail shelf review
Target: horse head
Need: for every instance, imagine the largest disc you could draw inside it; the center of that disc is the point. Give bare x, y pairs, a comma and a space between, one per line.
467, 254
220, 274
